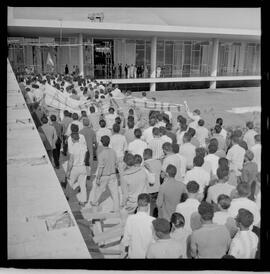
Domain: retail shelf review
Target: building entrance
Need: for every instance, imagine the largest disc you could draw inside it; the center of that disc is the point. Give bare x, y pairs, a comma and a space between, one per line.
103, 58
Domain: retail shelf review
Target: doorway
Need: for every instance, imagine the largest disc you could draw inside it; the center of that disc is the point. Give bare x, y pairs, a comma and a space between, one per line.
103, 58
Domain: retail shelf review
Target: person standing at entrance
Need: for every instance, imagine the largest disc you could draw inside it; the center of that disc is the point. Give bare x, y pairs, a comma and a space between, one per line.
126, 71
66, 69
120, 70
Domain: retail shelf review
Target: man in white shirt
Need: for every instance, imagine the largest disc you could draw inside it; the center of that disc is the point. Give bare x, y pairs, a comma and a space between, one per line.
171, 159
187, 150
75, 121
212, 158
147, 133
243, 190
249, 135
156, 144
116, 92
202, 133
110, 118
198, 174
221, 187
118, 142
257, 150
76, 170
236, 155
223, 132
245, 243
191, 204
164, 136
175, 148
138, 230
194, 116
70, 143
137, 146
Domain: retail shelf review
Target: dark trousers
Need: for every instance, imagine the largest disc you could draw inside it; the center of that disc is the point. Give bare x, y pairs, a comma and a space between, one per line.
56, 152
153, 204
65, 145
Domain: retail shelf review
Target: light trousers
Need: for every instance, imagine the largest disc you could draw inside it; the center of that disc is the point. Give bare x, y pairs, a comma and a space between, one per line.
78, 178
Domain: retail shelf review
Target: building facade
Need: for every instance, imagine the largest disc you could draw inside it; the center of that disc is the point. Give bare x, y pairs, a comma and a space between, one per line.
134, 53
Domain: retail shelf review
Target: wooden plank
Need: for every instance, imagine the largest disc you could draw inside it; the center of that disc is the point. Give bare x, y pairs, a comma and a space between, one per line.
89, 215
108, 251
117, 231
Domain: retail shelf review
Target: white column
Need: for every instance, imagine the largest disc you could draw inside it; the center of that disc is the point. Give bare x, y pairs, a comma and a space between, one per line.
81, 54
242, 56
153, 62
214, 62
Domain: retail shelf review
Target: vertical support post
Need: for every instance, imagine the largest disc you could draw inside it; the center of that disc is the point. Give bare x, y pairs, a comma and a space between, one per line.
81, 53
214, 66
153, 62
242, 57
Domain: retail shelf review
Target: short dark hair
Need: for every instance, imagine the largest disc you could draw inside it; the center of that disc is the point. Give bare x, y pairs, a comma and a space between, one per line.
53, 118
212, 148
92, 109
75, 116
222, 173
162, 225
75, 136
235, 138
137, 159
175, 148
143, 200
198, 161
224, 201
130, 123
105, 140
138, 133
193, 187
245, 217
148, 152
213, 141
144, 93
102, 123
171, 170
201, 122
187, 137
74, 128
249, 125
44, 120
191, 131
243, 144
206, 210
66, 113
167, 146
200, 151
116, 128
223, 162
111, 109
155, 131
177, 219
219, 121
243, 189
118, 120
129, 159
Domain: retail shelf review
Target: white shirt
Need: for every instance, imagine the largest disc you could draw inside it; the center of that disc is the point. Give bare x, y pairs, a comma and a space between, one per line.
71, 144
223, 133
187, 208
147, 135
179, 137
187, 150
116, 92
75, 122
118, 144
166, 139
236, 156
201, 134
156, 145
110, 120
199, 175
173, 159
249, 138
213, 160
38, 93
245, 203
195, 118
244, 245
137, 147
218, 189
257, 150
78, 151
183, 165
102, 132
138, 234
220, 217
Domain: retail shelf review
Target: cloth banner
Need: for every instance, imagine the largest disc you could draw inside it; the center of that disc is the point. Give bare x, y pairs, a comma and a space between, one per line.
49, 60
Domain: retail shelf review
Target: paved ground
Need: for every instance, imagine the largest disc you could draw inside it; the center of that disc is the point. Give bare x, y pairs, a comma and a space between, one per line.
213, 104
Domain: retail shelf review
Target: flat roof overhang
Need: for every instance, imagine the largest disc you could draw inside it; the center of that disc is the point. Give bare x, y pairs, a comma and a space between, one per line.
51, 28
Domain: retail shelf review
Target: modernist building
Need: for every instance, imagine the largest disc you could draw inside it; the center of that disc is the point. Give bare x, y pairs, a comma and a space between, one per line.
174, 45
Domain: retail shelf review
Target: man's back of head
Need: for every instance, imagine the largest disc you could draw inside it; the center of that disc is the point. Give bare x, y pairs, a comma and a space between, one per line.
105, 140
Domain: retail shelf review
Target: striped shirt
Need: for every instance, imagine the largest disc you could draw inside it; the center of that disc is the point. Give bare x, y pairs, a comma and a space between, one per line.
156, 146
244, 245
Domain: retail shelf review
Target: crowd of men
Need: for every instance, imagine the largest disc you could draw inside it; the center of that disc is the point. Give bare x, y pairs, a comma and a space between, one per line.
190, 191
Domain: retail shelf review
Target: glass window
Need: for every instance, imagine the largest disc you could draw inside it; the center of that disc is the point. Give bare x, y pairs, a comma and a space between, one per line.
187, 54
168, 52
148, 53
